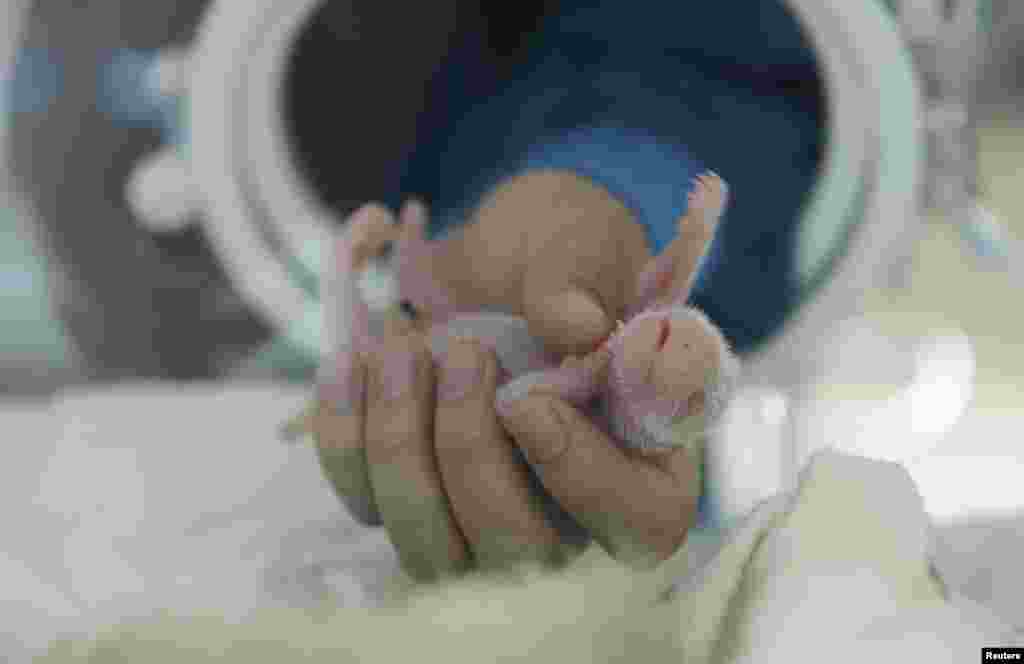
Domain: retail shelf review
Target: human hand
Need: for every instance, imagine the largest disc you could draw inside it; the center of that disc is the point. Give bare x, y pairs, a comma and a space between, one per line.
441, 512
421, 450
438, 470
417, 447
414, 445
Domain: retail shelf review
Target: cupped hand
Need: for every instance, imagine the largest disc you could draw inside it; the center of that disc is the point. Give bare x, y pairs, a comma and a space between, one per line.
419, 448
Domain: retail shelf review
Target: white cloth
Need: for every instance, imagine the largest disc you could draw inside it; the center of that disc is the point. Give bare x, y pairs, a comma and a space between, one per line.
142, 497
842, 568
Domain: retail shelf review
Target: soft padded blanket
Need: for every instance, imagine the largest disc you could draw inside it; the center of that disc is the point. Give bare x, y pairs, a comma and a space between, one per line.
172, 511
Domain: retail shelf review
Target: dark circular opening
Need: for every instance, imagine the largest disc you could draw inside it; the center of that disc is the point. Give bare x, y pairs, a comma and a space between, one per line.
361, 82
438, 103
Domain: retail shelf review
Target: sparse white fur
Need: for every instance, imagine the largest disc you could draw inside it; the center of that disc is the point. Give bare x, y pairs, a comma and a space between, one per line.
659, 431
719, 387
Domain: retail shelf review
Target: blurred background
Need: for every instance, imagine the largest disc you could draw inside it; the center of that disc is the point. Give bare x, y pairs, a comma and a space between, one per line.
91, 295
79, 270
132, 289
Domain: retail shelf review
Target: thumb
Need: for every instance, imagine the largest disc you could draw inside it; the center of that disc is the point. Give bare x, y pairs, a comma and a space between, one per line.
570, 322
538, 429
638, 511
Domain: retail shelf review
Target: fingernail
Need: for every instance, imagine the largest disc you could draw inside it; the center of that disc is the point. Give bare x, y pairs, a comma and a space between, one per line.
461, 371
340, 384
362, 214
357, 215
413, 211
396, 372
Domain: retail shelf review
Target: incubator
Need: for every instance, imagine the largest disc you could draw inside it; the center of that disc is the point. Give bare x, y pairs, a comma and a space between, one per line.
899, 145
895, 339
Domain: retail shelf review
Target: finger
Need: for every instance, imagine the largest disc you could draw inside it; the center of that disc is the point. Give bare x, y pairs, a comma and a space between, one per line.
573, 321
421, 267
501, 519
338, 431
638, 509
414, 213
402, 466
372, 228
349, 320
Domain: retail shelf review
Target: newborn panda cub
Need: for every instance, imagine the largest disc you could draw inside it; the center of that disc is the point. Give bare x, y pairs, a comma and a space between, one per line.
660, 381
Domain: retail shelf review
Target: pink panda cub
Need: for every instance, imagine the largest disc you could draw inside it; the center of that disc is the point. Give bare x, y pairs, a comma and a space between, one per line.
660, 381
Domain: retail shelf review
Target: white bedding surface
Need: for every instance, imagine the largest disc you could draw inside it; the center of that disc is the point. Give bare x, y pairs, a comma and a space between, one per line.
147, 496
144, 497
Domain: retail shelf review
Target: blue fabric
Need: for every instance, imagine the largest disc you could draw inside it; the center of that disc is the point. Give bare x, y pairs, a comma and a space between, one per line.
649, 175
639, 97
